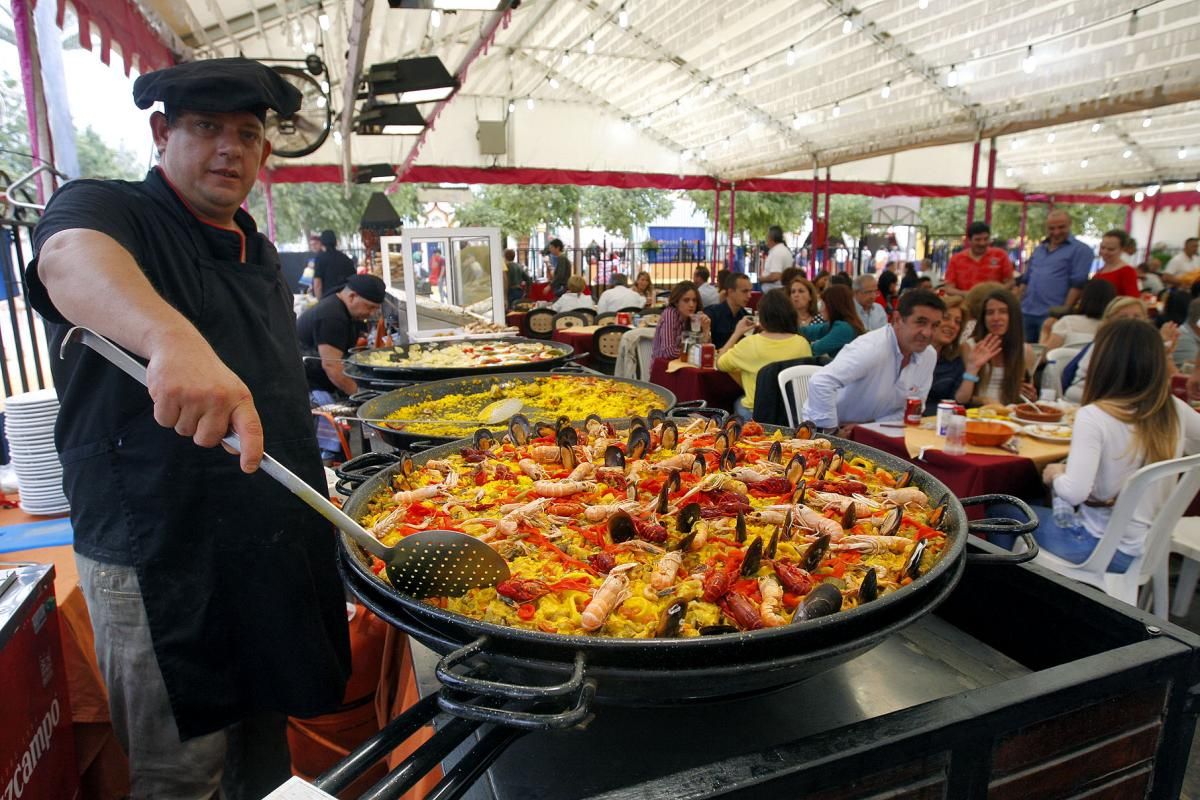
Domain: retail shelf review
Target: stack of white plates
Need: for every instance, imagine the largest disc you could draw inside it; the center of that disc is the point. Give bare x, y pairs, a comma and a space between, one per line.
29, 427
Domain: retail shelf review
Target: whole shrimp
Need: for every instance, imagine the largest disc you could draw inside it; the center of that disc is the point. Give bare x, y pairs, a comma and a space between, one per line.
680, 461
871, 545
546, 453
416, 495
562, 488
610, 595
532, 469
806, 517
666, 569
582, 472
602, 512
507, 524
909, 494
772, 602
863, 506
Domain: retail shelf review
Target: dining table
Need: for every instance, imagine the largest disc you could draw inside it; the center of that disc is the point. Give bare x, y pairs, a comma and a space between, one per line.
580, 338
980, 470
516, 319
689, 382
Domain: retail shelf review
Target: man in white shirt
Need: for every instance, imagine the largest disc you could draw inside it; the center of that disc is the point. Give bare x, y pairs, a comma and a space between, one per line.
779, 258
871, 313
709, 295
875, 374
1182, 263
618, 295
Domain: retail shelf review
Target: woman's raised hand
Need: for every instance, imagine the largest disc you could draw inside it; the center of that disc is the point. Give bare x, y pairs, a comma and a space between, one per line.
984, 351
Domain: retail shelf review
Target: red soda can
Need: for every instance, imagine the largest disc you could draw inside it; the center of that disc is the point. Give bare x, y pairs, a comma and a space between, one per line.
912, 411
624, 318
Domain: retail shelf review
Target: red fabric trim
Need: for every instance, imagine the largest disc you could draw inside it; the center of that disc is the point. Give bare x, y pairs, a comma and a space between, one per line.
120, 22
1172, 201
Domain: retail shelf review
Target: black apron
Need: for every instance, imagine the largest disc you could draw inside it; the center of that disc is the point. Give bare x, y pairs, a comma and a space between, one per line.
246, 609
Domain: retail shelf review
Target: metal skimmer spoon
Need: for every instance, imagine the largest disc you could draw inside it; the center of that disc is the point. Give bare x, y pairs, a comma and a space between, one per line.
425, 564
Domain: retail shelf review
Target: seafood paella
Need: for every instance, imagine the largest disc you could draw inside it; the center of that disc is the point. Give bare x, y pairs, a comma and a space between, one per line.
666, 529
563, 397
468, 354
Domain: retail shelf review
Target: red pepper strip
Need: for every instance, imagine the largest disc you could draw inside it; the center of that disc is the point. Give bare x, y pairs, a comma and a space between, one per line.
839, 568
594, 535
725, 540
923, 531
746, 586
572, 584
790, 600
545, 544
377, 566
862, 473
526, 611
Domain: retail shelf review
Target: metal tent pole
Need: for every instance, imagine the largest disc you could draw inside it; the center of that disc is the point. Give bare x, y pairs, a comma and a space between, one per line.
732, 210
1021, 241
991, 181
269, 195
816, 192
828, 230
716, 227
974, 182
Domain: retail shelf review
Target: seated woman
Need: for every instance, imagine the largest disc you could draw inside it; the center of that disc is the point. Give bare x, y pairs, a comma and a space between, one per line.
1129, 419
843, 325
887, 291
644, 285
1080, 326
682, 306
1123, 277
574, 297
1001, 378
953, 359
1188, 346
804, 299
743, 355
1074, 374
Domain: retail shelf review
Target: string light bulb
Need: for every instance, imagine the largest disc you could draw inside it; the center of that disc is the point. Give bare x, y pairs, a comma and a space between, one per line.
797, 122
1045, 168
566, 59
1146, 121
848, 25
1096, 126
790, 56
1050, 137
1083, 162
553, 82
1139, 197
886, 91
1127, 153
745, 77
512, 106
1182, 152
590, 45
1009, 172
1029, 63
922, 4
837, 109
952, 78
1152, 189
337, 138
623, 17
1115, 194
529, 103
323, 19
706, 90
435, 18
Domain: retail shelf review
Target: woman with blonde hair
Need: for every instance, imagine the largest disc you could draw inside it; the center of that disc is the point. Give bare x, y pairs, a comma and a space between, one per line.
574, 296
1074, 374
644, 285
1129, 419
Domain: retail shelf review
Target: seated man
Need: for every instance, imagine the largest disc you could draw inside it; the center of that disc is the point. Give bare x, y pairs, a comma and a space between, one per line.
871, 313
725, 316
875, 374
618, 295
709, 294
329, 330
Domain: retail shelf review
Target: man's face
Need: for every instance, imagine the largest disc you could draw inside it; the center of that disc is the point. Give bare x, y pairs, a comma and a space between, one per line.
212, 159
739, 296
1058, 228
915, 332
979, 244
1190, 247
866, 295
360, 307
314, 244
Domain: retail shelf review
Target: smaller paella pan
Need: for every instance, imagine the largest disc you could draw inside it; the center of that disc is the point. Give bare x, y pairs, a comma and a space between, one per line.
432, 361
442, 411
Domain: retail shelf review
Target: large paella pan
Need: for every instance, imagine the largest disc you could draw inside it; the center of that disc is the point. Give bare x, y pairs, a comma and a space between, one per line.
435, 361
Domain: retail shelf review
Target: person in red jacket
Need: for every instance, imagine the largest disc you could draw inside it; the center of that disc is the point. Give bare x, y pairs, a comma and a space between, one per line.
1114, 269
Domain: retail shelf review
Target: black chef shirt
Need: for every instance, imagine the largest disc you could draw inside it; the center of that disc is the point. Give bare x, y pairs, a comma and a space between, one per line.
328, 322
333, 267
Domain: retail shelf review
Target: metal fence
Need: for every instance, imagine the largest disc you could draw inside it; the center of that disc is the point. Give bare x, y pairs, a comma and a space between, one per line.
24, 339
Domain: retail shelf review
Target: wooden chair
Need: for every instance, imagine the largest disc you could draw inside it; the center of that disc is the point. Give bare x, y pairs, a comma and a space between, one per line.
588, 313
1161, 492
540, 323
568, 319
606, 344
607, 318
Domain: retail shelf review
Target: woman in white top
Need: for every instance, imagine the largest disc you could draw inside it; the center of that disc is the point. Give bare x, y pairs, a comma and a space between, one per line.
1129, 419
1002, 378
1080, 326
574, 297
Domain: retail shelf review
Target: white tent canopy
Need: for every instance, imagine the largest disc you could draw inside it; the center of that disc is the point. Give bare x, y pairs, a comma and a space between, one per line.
885, 90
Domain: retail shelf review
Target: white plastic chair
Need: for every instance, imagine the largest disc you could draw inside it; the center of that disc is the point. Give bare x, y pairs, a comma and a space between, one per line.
1056, 360
1156, 489
793, 384
1185, 540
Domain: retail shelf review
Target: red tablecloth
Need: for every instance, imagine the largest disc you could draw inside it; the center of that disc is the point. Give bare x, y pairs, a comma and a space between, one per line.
755, 296
516, 319
580, 338
969, 474
541, 291
1179, 386
713, 386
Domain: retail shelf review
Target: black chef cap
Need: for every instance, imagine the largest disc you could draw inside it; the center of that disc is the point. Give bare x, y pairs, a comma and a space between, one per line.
367, 287
218, 84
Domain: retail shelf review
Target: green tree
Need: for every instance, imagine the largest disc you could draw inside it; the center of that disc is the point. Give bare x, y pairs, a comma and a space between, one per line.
944, 216
98, 160
847, 213
754, 212
517, 210
618, 211
301, 208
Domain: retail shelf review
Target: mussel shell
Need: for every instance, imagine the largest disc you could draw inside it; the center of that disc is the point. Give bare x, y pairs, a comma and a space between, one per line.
543, 428
721, 442
568, 437
566, 455
664, 503
656, 416
805, 430
562, 421
835, 460
590, 418
637, 422
815, 553
794, 471
406, 464
733, 429
670, 435
729, 459
904, 478
717, 630
822, 467
614, 457
484, 439
772, 545
739, 528
913, 568
687, 517
519, 429
670, 620
621, 527
775, 454
685, 543
753, 558
848, 517
638, 444
699, 466
868, 590
939, 515
891, 522
789, 521
822, 601
799, 492
673, 481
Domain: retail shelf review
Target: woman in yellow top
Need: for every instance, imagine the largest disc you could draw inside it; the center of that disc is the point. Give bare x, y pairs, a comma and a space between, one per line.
743, 356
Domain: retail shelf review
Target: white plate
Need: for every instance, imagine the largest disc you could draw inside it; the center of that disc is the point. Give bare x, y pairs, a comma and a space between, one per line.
32, 398
1041, 430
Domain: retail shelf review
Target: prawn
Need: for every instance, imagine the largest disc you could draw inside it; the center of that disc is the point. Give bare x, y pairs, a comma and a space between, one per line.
873, 545
863, 506
532, 469
546, 453
680, 461
416, 495
581, 472
524, 513
562, 488
772, 602
602, 512
909, 494
806, 517
666, 569
610, 595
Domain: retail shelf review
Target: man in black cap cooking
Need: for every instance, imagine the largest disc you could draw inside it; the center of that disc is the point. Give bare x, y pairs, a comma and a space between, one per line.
213, 591
333, 267
327, 331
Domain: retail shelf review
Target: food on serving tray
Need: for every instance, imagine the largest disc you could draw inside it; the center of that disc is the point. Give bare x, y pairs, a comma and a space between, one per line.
555, 397
994, 411
680, 529
466, 354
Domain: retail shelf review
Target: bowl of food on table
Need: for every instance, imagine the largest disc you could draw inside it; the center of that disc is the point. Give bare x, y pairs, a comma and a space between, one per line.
1037, 413
988, 433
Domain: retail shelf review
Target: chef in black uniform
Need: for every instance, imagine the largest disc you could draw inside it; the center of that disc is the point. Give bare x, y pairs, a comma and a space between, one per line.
213, 592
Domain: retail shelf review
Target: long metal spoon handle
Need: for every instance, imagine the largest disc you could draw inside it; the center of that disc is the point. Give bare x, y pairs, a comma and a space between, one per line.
294, 483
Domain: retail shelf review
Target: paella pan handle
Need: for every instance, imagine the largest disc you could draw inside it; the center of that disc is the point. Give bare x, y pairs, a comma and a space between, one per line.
358, 398
1003, 525
355, 472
